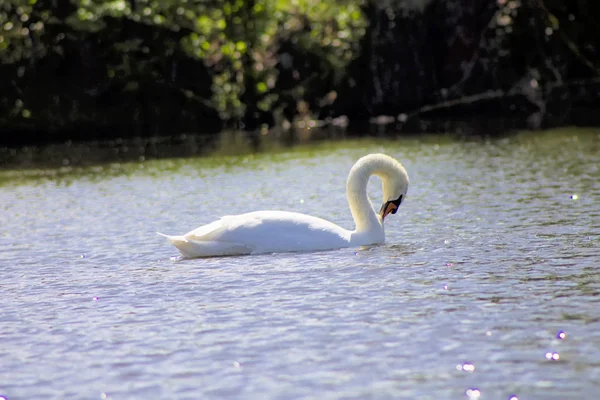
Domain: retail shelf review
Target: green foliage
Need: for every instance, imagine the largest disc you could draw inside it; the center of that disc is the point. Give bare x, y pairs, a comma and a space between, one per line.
164, 66
238, 40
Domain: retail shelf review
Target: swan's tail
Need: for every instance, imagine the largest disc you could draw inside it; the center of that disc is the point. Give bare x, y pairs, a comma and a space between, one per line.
175, 239
187, 248
190, 248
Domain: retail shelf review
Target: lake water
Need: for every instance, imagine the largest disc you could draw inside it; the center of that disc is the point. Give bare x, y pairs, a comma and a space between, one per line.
488, 286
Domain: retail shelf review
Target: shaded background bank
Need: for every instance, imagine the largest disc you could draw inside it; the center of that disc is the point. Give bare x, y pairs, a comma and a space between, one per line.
96, 69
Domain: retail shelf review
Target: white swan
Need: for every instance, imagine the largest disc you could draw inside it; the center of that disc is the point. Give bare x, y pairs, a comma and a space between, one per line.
282, 231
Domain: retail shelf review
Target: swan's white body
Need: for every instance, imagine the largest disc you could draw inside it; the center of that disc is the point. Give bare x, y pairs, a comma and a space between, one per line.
281, 231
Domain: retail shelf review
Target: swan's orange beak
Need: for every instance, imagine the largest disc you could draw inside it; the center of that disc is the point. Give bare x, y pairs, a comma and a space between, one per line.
389, 207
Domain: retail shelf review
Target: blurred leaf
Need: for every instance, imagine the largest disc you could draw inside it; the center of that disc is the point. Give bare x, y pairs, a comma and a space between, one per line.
240, 46
261, 87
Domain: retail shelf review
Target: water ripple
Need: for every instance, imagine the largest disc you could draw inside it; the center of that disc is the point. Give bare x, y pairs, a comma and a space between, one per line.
491, 266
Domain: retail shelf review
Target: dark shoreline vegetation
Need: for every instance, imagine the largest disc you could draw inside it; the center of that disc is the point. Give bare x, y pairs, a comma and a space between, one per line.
143, 70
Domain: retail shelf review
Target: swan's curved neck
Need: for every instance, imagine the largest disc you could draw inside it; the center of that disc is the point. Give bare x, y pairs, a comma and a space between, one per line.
364, 215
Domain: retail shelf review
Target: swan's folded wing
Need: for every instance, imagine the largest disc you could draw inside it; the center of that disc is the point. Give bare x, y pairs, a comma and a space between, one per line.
205, 232
220, 229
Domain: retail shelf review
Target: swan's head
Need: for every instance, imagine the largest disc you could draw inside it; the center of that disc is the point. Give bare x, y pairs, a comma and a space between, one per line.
395, 185
390, 207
